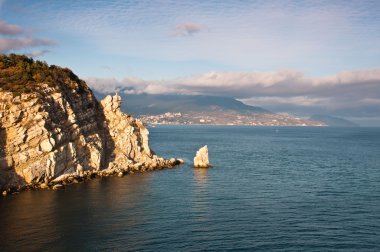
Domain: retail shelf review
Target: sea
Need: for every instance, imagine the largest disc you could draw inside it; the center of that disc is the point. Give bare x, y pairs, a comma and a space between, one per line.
269, 189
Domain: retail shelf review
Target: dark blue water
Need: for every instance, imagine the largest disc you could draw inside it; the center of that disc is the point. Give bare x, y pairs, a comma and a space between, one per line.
271, 189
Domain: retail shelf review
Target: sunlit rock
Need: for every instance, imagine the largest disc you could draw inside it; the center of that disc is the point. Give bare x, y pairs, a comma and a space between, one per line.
61, 130
201, 158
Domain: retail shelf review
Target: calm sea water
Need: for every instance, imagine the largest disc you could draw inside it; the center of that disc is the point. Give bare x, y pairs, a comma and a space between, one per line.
271, 189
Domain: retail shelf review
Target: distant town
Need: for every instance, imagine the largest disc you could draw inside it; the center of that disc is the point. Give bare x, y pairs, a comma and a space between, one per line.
228, 118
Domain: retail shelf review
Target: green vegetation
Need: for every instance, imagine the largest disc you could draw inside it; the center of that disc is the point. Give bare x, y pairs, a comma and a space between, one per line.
20, 74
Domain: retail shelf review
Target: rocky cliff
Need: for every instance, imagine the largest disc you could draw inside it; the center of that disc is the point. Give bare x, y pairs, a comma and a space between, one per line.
55, 130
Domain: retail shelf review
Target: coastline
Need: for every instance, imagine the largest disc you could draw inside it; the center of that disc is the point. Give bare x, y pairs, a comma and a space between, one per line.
233, 125
74, 178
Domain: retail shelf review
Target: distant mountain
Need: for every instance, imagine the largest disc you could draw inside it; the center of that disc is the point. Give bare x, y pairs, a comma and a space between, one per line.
202, 109
149, 104
333, 121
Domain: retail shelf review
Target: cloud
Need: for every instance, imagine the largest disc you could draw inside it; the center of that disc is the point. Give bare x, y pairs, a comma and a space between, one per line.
10, 44
112, 85
187, 29
37, 53
314, 36
347, 93
9, 29
350, 93
13, 42
299, 100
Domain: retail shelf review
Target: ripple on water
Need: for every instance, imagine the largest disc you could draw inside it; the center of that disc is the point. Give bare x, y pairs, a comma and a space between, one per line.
312, 189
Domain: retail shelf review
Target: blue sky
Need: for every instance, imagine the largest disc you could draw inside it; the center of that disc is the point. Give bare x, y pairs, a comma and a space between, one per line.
150, 39
160, 45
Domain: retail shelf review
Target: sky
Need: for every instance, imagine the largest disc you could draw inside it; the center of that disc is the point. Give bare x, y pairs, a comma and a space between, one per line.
299, 57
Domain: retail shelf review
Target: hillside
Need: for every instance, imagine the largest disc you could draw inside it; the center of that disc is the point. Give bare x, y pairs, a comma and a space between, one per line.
202, 109
151, 104
333, 121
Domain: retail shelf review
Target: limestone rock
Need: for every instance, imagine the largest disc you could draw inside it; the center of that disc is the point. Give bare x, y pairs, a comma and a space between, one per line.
58, 187
47, 145
43, 186
180, 161
59, 131
69, 133
201, 158
79, 169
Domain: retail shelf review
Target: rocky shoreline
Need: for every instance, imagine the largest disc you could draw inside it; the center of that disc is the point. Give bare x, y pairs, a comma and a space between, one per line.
60, 182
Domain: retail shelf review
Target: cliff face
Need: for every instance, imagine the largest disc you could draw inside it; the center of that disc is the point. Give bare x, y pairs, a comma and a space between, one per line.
54, 131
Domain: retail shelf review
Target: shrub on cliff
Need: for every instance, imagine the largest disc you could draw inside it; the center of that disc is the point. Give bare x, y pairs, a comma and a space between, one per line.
21, 74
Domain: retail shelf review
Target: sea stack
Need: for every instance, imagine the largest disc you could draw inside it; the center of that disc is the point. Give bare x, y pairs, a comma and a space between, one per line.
201, 158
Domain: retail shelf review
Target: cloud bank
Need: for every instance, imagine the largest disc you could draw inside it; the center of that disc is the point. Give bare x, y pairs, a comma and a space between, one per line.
350, 93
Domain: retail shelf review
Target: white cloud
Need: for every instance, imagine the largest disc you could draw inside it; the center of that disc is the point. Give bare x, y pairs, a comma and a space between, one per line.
350, 91
299, 100
112, 85
248, 84
38, 53
9, 44
187, 29
13, 42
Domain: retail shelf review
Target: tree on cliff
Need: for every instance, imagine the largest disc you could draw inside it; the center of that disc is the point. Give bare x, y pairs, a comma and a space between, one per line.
21, 74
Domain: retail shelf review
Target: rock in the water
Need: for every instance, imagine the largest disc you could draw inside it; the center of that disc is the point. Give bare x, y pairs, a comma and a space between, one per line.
180, 161
44, 186
58, 187
201, 158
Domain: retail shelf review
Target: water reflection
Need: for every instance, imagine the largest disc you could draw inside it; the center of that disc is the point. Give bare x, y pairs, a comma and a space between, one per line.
201, 176
27, 217
103, 209
200, 206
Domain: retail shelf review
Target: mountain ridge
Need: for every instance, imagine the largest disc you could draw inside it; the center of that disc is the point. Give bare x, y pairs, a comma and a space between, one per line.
333, 121
154, 104
203, 109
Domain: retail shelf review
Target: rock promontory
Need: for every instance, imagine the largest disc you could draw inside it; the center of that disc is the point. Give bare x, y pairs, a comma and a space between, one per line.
53, 130
201, 158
